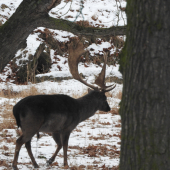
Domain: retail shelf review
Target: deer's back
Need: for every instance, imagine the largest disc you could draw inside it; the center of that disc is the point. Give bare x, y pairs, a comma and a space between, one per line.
47, 110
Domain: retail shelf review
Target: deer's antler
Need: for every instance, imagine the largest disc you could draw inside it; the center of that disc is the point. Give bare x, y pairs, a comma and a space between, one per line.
76, 49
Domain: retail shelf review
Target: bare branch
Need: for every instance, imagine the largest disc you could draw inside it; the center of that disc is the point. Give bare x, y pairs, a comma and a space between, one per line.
72, 27
29, 16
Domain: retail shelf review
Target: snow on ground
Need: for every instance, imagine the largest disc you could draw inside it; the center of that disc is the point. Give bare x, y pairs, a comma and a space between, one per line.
89, 72
33, 41
94, 143
7, 8
99, 13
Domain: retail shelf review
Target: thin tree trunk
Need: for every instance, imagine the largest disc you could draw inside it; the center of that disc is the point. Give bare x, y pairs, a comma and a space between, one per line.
145, 105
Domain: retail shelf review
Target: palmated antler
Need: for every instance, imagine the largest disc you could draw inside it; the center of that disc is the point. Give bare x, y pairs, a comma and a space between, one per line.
76, 49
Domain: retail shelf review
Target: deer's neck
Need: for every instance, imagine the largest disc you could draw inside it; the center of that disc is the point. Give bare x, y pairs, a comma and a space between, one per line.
87, 107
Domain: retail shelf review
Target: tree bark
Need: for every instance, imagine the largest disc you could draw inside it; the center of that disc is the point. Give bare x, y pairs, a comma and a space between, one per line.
145, 105
32, 14
72, 27
14, 32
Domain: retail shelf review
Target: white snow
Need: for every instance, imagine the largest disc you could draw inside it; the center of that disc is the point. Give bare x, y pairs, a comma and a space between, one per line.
98, 48
97, 12
101, 130
98, 131
106, 13
5, 13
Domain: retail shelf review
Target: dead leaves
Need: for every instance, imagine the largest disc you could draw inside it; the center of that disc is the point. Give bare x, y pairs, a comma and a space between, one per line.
98, 150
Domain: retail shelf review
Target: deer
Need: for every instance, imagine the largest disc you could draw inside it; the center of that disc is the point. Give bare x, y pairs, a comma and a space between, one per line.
59, 114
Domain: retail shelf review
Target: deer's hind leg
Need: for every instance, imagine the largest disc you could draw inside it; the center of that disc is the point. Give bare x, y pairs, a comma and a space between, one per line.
19, 143
26, 137
28, 147
56, 137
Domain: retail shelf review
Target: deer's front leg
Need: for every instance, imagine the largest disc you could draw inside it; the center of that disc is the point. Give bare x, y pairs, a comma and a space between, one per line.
56, 137
65, 138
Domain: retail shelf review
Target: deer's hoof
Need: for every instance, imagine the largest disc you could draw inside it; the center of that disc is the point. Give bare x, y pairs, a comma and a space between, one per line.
49, 162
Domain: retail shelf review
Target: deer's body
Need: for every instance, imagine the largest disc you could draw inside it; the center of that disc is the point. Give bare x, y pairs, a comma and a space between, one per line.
55, 113
51, 113
59, 114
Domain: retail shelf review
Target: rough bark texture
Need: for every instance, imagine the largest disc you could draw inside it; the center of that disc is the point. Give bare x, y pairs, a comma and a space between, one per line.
32, 14
14, 32
145, 105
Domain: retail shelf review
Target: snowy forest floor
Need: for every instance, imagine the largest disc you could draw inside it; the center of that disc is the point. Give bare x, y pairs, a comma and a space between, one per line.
94, 144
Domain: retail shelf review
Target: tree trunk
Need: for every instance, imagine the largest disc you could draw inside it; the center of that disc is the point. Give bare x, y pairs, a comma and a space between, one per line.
14, 32
32, 14
145, 105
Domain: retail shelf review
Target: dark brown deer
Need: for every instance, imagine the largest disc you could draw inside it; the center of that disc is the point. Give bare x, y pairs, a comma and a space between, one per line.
59, 114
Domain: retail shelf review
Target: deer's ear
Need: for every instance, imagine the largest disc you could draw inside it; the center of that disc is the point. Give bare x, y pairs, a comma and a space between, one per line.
89, 90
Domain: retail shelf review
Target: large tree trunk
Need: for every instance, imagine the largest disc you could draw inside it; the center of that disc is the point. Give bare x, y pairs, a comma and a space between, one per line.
32, 14
145, 105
